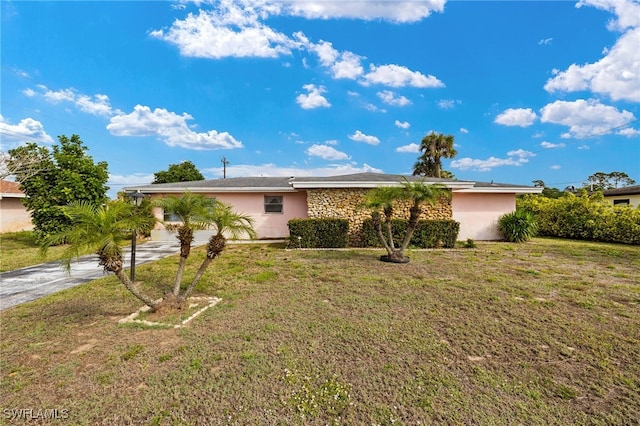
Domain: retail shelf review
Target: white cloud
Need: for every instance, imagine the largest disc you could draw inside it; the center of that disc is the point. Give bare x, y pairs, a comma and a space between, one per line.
314, 98
585, 118
617, 74
402, 124
390, 98
514, 158
358, 136
549, 145
411, 148
341, 64
545, 41
326, 152
399, 76
27, 130
629, 132
448, 103
231, 30
95, 105
394, 11
584, 147
516, 117
169, 127
270, 169
627, 12
463, 130
555, 167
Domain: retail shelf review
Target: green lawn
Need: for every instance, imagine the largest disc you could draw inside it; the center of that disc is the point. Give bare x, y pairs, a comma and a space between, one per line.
542, 333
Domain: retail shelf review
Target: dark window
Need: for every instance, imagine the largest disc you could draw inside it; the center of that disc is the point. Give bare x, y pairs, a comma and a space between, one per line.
621, 202
273, 204
171, 217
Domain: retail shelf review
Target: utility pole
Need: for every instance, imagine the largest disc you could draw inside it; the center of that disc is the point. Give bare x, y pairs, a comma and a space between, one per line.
224, 167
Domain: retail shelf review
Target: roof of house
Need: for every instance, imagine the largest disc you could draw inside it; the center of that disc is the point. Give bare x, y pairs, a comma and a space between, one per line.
625, 190
10, 189
357, 180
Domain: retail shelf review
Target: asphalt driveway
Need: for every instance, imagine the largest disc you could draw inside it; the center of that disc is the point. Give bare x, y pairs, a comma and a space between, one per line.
27, 284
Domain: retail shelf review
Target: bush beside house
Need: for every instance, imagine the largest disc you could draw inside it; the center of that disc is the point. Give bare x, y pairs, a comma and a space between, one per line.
584, 217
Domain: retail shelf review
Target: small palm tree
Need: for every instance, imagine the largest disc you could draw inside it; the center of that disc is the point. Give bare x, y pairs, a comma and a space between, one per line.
103, 229
227, 223
384, 198
195, 213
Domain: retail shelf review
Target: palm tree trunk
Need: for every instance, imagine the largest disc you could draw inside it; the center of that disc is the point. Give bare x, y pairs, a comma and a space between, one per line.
203, 267
414, 215
124, 279
178, 281
378, 225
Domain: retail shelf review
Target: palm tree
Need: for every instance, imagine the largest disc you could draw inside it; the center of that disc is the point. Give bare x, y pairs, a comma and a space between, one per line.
101, 228
227, 223
195, 213
419, 194
434, 147
384, 198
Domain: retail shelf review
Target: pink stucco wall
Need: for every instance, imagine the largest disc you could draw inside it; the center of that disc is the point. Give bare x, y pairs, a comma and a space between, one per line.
267, 225
14, 216
478, 214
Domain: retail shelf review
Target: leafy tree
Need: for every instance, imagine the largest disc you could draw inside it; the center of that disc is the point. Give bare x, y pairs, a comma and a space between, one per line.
602, 181
182, 172
434, 147
385, 199
64, 174
102, 229
546, 191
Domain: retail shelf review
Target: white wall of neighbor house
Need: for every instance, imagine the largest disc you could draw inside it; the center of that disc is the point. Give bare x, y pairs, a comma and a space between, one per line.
478, 214
14, 216
632, 200
268, 225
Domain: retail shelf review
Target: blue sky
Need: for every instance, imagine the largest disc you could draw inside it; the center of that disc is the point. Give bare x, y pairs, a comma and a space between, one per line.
530, 90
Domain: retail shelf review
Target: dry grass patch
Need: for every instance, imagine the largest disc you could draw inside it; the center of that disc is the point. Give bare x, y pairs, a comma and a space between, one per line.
540, 333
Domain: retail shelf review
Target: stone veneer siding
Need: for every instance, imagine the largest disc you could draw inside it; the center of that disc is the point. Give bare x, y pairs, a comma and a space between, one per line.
345, 203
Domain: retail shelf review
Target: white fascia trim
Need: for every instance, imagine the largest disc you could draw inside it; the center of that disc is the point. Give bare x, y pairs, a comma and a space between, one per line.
501, 190
338, 185
12, 195
207, 190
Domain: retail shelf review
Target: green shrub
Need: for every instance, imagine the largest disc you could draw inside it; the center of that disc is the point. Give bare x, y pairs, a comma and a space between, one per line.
428, 233
584, 217
319, 233
518, 226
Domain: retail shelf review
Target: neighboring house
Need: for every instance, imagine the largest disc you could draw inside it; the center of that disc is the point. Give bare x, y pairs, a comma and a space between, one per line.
273, 201
625, 196
13, 214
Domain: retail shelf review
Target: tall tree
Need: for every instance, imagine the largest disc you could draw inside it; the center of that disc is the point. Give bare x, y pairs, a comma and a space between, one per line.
65, 174
181, 172
603, 181
434, 147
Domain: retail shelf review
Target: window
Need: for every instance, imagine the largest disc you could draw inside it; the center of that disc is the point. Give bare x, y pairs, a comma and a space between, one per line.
273, 204
171, 217
624, 202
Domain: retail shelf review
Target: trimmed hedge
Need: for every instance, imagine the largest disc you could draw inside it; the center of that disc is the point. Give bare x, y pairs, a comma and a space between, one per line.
428, 233
584, 217
319, 233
